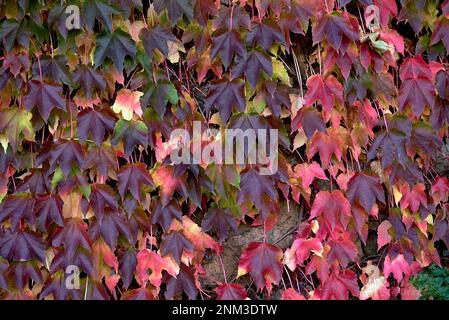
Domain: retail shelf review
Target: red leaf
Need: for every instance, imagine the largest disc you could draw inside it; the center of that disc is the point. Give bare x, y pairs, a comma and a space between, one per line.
326, 146
263, 262
300, 251
230, 291
343, 249
339, 284
333, 206
383, 234
147, 259
397, 266
292, 294
326, 90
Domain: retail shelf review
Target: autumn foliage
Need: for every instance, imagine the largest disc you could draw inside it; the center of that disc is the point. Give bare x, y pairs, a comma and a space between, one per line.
86, 117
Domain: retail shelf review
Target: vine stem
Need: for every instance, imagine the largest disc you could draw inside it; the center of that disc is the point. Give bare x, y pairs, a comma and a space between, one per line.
231, 18
223, 268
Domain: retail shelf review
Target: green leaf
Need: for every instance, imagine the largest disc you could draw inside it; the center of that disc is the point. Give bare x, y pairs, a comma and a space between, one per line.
279, 72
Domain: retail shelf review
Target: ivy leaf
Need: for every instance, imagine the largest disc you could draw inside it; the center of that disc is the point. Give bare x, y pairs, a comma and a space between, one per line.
230, 291
48, 209
164, 214
333, 206
201, 10
416, 89
300, 251
222, 219
263, 262
338, 285
310, 120
325, 146
392, 147
240, 18
131, 133
338, 28
326, 90
169, 180
227, 43
184, 282
175, 243
175, 9
37, 182
98, 9
89, 79
158, 94
440, 33
17, 123
304, 10
102, 198
102, 159
64, 153
128, 263
95, 123
11, 31
17, 207
365, 189
265, 34
112, 224
259, 190
116, 46
147, 259
156, 38
226, 94
131, 177
252, 65
53, 68
425, 141
343, 249
46, 96
127, 103
74, 235
21, 245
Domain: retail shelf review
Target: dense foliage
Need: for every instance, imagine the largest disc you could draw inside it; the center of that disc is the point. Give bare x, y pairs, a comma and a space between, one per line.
86, 117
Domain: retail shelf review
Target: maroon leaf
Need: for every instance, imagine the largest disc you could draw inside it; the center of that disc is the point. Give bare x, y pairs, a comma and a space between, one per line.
45, 96
230, 291
251, 65
131, 177
417, 89
259, 190
95, 123
365, 189
174, 243
226, 94
184, 282
220, 219
227, 43
17, 207
73, 235
49, 209
156, 38
164, 215
21, 246
265, 34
